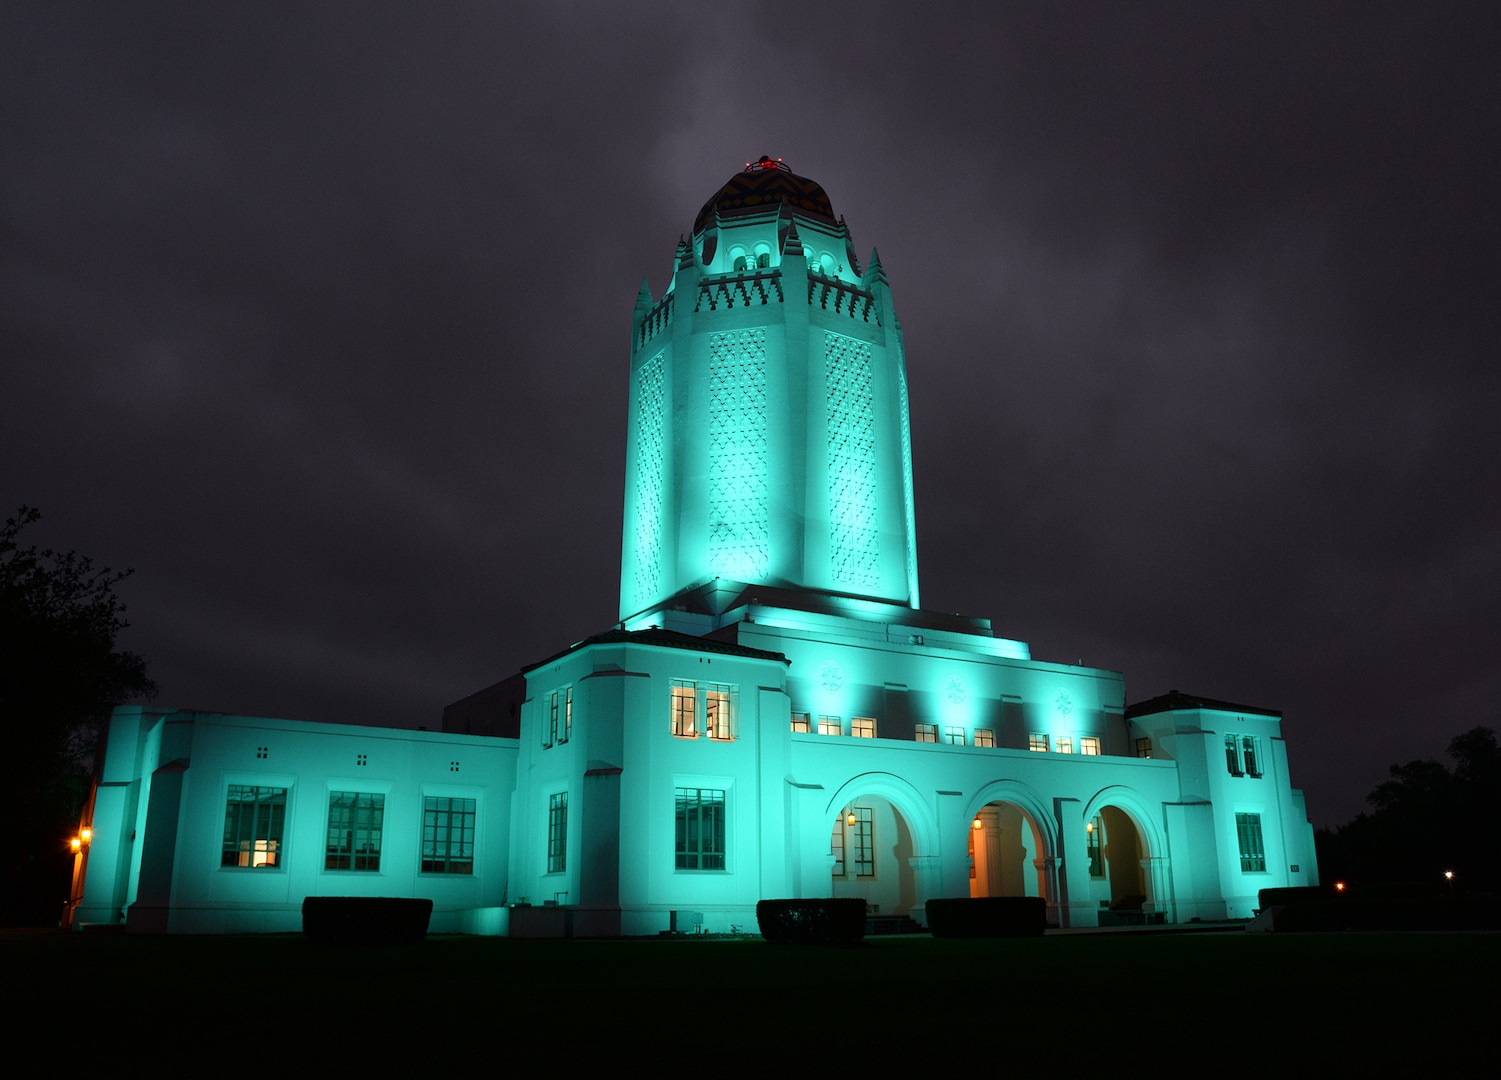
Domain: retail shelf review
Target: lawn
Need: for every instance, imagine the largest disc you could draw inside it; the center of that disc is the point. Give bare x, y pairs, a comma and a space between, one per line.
1176, 1004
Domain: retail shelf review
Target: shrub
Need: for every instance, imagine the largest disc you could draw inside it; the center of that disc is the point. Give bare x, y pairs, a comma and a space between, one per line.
367, 920
812, 922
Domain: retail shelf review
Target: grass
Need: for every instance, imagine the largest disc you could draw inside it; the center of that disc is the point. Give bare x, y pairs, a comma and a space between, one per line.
1215, 1004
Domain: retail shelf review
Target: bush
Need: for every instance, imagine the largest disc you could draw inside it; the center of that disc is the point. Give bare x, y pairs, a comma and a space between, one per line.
987, 916
367, 920
812, 922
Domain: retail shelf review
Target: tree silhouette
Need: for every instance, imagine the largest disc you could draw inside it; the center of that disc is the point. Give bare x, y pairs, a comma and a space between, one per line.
60, 674
1427, 820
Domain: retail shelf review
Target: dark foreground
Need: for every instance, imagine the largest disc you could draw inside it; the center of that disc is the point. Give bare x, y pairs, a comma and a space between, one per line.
1193, 1004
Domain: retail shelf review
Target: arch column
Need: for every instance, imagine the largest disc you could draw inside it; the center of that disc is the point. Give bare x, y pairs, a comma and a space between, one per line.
927, 880
1047, 887
1158, 875
1076, 906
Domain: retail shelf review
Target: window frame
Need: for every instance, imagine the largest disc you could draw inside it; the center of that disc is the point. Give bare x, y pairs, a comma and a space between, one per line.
1251, 755
557, 832
1037, 742
830, 725
430, 860
925, 733
863, 727
1232, 755
366, 814
954, 735
689, 852
239, 851
802, 723
985, 738
1089, 745
1063, 744
1251, 843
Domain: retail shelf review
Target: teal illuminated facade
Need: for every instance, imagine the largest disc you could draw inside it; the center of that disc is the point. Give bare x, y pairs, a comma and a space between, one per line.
773, 716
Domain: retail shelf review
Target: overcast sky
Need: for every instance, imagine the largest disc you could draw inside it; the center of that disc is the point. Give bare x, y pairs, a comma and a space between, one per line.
318, 316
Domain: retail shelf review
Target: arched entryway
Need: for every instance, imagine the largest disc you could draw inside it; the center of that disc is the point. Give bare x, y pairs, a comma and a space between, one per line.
1007, 852
1126, 872
871, 849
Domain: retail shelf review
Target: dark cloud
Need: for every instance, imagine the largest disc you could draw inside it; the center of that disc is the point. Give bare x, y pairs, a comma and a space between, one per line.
317, 317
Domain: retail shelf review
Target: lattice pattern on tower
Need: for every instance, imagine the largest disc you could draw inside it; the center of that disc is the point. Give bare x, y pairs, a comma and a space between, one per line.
739, 502
854, 543
901, 380
650, 467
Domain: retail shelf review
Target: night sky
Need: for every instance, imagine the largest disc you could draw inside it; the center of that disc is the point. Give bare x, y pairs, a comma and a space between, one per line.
318, 316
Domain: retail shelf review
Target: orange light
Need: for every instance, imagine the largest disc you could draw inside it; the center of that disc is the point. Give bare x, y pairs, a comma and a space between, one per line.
1339, 886
977, 824
76, 844
86, 834
1089, 828
851, 819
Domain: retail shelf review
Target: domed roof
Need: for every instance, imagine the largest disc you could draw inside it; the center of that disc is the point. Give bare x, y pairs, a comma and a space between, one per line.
763, 186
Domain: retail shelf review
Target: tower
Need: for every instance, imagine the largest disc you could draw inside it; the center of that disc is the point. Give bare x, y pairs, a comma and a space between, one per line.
769, 440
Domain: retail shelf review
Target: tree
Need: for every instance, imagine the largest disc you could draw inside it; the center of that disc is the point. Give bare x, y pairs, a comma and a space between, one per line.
60, 674
1427, 819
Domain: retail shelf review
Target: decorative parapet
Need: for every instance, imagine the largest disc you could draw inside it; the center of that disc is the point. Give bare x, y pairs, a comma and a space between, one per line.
655, 321
846, 297
754, 285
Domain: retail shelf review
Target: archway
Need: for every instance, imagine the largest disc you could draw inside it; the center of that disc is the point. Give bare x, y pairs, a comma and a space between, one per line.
1008, 852
871, 849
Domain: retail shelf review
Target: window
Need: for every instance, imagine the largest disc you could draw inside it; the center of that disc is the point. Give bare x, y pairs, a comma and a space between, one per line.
1248, 831
1232, 755
1037, 742
927, 732
557, 832
1095, 846
1063, 744
1089, 745
718, 712
253, 822
684, 709
716, 718
447, 835
1143, 748
984, 737
952, 735
800, 722
700, 829
863, 727
560, 717
861, 842
1253, 763
853, 844
830, 725
354, 827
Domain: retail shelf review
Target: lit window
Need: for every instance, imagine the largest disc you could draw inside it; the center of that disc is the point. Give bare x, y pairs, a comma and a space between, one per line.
719, 712
954, 736
684, 709
1037, 742
1248, 831
801, 722
1144, 748
927, 732
1089, 745
1063, 744
447, 835
716, 715
984, 737
1232, 755
354, 828
1095, 847
557, 832
1253, 763
700, 829
253, 822
830, 725
863, 727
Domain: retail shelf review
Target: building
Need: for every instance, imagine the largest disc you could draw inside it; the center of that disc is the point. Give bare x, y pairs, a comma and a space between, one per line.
774, 715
